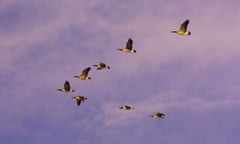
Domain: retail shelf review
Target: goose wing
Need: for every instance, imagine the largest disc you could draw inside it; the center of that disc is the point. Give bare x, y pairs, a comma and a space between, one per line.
67, 86
78, 102
160, 114
128, 107
102, 65
129, 44
184, 26
86, 70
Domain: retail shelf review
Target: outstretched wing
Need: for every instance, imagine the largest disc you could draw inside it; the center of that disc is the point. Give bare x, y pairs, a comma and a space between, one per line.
102, 65
129, 44
67, 86
86, 70
160, 114
184, 26
78, 102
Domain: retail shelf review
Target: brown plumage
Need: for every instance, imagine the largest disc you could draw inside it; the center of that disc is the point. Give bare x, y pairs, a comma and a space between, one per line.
80, 99
183, 29
126, 107
66, 88
101, 65
129, 47
158, 115
84, 74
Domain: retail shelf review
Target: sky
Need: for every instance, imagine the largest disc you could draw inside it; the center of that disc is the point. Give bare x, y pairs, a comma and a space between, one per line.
194, 80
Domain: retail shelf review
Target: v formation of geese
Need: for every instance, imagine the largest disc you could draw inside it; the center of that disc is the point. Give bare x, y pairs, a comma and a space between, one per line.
127, 49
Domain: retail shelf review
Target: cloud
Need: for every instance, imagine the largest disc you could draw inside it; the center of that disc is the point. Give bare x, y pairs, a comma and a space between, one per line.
44, 43
143, 109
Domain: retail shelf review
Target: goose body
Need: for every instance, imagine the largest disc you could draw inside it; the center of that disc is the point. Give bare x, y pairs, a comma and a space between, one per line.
129, 47
126, 107
66, 88
101, 65
158, 115
79, 99
84, 74
183, 29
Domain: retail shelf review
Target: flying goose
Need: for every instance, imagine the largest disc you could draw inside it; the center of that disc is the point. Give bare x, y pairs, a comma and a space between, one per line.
84, 74
183, 29
158, 115
126, 107
66, 88
129, 47
79, 99
101, 65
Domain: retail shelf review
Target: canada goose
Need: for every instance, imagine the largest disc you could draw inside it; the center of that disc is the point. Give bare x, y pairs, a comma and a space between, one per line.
101, 65
126, 107
158, 115
84, 74
183, 29
66, 88
79, 99
129, 47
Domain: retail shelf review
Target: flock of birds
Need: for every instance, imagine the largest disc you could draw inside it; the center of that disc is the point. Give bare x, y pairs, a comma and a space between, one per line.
127, 49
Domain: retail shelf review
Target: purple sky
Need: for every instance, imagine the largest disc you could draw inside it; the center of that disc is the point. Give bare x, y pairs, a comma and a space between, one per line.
193, 79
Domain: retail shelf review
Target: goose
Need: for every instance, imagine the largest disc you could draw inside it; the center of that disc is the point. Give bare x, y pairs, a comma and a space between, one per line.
66, 88
84, 74
129, 47
79, 99
183, 29
101, 65
126, 107
158, 115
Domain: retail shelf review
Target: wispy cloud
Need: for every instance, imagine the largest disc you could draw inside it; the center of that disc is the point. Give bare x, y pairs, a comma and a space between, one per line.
44, 43
144, 109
